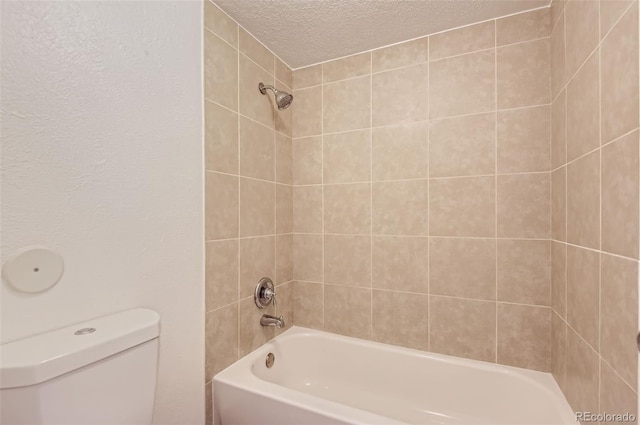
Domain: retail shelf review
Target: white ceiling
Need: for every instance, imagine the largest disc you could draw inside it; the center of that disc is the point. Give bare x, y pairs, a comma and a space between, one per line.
304, 32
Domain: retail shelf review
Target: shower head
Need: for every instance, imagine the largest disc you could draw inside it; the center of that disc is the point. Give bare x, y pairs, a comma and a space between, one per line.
283, 99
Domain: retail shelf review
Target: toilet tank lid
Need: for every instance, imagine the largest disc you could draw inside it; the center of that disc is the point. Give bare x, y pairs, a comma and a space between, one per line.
45, 356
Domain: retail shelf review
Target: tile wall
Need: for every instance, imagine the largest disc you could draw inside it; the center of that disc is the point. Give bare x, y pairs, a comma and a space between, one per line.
422, 193
594, 157
248, 193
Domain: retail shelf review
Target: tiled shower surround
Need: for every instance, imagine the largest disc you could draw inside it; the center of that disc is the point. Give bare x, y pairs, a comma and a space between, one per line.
472, 193
594, 232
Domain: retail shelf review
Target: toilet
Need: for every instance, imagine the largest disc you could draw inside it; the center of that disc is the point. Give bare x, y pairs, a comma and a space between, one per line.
101, 371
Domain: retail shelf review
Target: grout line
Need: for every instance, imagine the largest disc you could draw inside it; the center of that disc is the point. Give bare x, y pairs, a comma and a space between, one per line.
600, 208
371, 194
428, 199
495, 165
239, 197
403, 180
595, 149
322, 205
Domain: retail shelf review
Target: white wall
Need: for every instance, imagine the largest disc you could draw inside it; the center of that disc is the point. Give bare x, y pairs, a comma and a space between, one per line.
101, 161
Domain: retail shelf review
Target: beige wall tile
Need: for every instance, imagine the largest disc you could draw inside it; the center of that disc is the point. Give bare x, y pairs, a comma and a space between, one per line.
583, 293
284, 158
583, 201
619, 321
620, 183
559, 131
347, 260
307, 257
557, 42
347, 157
284, 73
453, 333
217, 21
523, 27
284, 209
307, 209
524, 271
308, 304
559, 204
255, 51
401, 319
559, 278
208, 399
399, 55
401, 208
583, 111
581, 387
347, 311
257, 150
619, 79
462, 146
523, 336
307, 160
401, 95
523, 74
462, 207
284, 258
257, 260
252, 104
257, 207
307, 112
347, 208
220, 139
252, 334
349, 67
221, 206
524, 140
558, 350
220, 71
462, 85
463, 40
400, 152
581, 20
463, 267
401, 263
221, 274
285, 306
221, 339
524, 206
616, 397
610, 12
307, 77
346, 105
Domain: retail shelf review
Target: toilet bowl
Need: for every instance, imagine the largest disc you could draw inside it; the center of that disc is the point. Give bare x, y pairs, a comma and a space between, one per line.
102, 371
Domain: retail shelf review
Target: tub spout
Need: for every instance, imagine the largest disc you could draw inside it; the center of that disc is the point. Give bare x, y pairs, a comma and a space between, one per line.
269, 320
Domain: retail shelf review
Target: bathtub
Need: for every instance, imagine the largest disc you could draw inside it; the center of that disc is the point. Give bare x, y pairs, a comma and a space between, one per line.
322, 378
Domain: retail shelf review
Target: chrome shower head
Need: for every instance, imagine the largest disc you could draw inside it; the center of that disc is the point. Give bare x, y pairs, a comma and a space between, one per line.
283, 99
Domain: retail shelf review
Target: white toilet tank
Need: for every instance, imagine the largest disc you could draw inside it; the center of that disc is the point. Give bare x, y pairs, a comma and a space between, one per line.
102, 371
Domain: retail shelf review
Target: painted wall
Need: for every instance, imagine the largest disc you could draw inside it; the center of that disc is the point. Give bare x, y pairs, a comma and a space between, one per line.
421, 193
247, 191
595, 193
102, 162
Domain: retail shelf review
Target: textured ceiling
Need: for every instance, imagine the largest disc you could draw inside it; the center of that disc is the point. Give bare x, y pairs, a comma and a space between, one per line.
304, 32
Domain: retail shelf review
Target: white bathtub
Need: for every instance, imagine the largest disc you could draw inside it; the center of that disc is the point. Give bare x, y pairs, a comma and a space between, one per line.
322, 378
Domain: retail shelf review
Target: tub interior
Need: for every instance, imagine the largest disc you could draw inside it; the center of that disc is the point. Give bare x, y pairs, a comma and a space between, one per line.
409, 385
